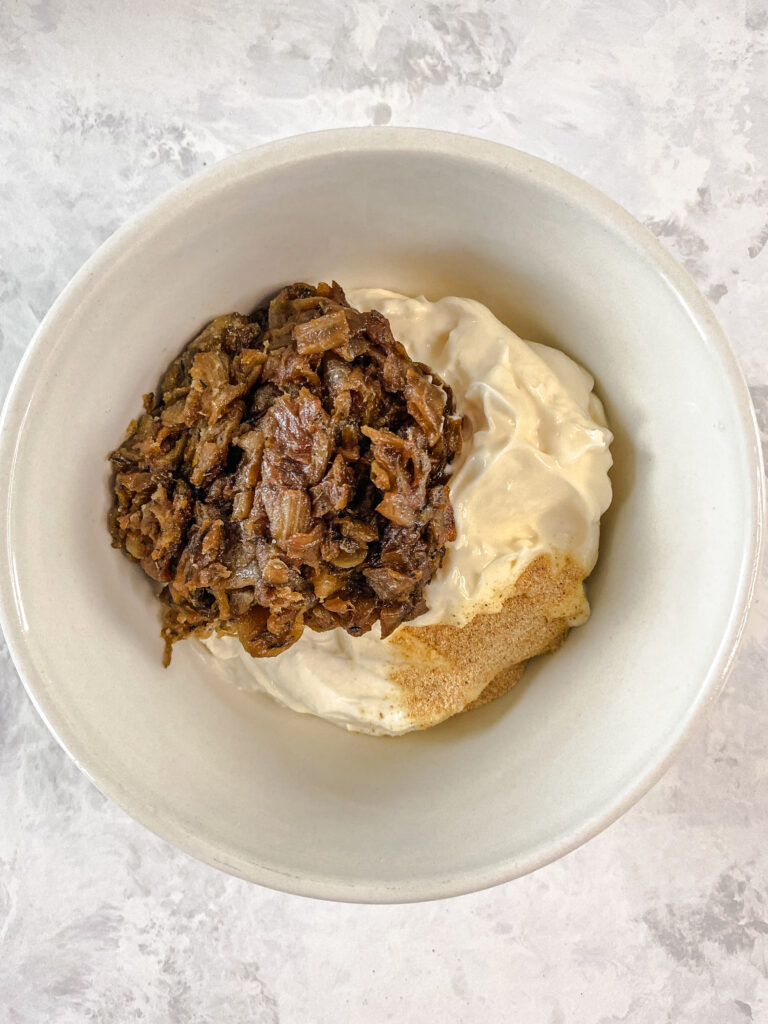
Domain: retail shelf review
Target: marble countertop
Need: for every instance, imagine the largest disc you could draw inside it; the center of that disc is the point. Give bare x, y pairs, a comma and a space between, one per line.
660, 103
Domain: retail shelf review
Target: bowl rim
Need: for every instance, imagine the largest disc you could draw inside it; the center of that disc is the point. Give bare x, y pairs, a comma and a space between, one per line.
307, 147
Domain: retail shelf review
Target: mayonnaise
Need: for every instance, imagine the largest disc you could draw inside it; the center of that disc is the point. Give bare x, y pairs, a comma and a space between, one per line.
532, 479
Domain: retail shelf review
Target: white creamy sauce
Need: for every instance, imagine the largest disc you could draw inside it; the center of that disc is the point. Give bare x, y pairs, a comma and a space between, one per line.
532, 478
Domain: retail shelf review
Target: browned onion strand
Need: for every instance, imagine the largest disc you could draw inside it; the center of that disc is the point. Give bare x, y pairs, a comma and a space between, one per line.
290, 471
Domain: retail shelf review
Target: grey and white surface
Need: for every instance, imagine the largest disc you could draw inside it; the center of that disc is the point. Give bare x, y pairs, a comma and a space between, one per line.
662, 104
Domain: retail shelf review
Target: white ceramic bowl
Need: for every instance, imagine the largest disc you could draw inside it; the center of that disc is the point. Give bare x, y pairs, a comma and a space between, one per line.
289, 801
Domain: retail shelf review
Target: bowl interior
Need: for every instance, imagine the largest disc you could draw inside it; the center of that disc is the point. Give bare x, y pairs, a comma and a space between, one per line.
291, 801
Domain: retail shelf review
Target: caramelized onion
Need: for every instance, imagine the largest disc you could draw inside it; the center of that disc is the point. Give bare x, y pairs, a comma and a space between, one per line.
291, 472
